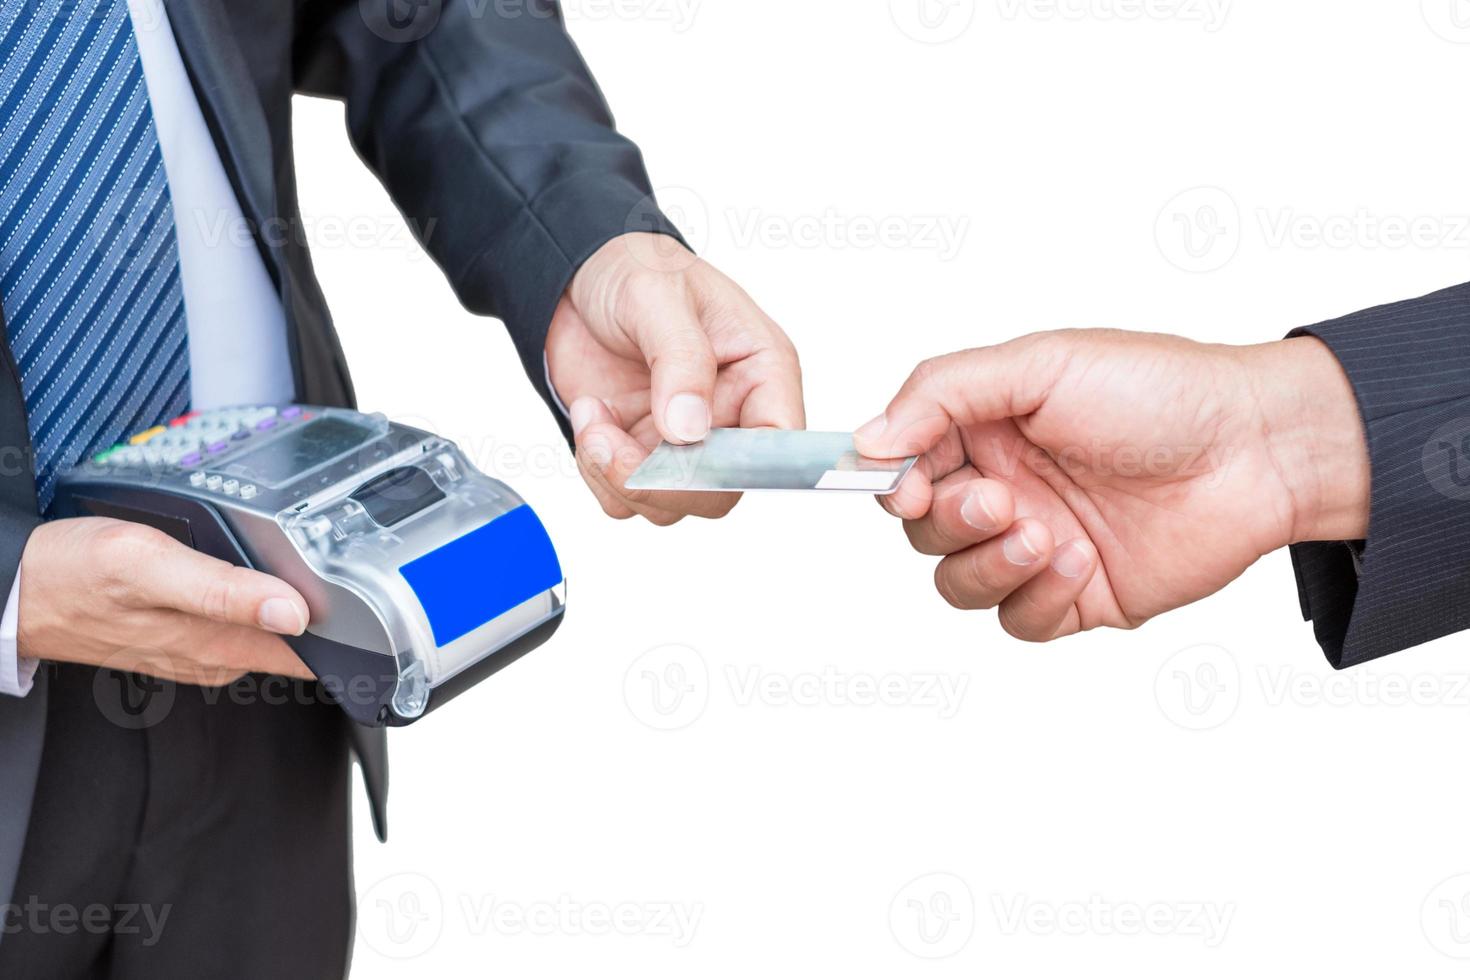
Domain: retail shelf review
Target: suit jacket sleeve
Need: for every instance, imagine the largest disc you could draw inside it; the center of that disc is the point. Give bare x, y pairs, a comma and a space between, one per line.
488, 130
1409, 582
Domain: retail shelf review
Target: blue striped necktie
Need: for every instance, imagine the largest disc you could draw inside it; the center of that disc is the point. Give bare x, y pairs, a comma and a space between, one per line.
89, 262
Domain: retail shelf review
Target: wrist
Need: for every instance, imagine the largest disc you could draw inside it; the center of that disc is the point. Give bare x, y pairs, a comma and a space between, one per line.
598, 286
1315, 437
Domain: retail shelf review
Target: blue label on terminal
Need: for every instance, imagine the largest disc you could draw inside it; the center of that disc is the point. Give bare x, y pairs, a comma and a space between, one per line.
486, 573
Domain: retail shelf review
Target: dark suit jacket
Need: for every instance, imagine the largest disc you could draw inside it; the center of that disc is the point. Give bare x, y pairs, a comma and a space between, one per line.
1409, 582
486, 127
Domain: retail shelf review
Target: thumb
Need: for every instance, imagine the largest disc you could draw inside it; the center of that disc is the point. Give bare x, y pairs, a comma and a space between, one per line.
683, 368
172, 576
965, 388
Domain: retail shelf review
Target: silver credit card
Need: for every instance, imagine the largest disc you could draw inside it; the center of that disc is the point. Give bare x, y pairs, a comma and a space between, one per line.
769, 459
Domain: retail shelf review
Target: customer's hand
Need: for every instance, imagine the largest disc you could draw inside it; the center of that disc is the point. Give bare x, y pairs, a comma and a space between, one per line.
1099, 478
105, 592
653, 343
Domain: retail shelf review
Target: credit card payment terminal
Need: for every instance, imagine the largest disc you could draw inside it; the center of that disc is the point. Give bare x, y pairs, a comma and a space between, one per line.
423, 575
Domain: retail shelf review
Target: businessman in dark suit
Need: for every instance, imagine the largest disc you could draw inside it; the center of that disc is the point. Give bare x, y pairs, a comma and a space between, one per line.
1098, 478
211, 839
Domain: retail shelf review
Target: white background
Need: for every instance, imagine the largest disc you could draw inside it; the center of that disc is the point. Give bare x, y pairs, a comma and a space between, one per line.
1202, 795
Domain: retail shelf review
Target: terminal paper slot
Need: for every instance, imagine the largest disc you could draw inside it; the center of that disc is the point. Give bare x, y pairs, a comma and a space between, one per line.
398, 495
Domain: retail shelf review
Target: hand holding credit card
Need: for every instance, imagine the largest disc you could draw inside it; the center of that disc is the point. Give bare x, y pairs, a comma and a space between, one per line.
744, 460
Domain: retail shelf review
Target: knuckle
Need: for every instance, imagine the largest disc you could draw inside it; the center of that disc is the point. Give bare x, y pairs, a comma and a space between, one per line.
1015, 624
122, 543
643, 291
122, 554
954, 588
948, 595
217, 596
926, 371
615, 510
914, 531
721, 511
684, 351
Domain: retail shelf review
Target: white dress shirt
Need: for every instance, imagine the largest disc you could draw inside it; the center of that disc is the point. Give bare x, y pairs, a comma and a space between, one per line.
237, 326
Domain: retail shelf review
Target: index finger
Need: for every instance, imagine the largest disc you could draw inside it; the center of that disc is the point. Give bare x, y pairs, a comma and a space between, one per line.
915, 492
971, 386
775, 401
967, 510
610, 456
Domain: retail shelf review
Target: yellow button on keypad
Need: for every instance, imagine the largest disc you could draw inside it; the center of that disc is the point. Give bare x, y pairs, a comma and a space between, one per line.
147, 434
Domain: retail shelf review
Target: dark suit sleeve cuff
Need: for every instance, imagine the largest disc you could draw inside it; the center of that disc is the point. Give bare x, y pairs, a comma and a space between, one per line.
532, 262
1409, 582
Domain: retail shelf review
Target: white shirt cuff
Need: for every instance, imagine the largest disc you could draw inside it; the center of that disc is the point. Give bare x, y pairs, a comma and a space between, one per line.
546, 366
17, 673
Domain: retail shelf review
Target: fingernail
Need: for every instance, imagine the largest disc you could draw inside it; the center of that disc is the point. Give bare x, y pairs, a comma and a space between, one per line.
687, 417
1071, 560
582, 414
976, 512
598, 449
282, 616
1019, 550
873, 429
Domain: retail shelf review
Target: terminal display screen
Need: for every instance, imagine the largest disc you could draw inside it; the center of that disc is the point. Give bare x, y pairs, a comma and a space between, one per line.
300, 449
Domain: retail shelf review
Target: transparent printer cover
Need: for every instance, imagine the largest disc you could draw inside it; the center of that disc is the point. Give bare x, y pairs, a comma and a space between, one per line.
453, 582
